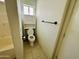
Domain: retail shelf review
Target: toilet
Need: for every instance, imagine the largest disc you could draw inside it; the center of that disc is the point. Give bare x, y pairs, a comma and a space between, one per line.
31, 37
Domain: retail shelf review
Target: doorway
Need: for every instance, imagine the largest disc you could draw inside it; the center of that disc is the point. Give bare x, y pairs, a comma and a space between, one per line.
47, 23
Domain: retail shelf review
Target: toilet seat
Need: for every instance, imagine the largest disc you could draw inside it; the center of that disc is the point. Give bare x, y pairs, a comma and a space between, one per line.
31, 38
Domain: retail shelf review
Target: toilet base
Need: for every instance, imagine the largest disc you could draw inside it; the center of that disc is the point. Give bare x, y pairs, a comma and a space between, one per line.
31, 44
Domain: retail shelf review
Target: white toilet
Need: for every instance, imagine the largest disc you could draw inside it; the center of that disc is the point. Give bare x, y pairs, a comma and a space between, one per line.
31, 37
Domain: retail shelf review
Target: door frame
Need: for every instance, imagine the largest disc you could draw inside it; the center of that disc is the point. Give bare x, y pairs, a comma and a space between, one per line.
64, 24
13, 9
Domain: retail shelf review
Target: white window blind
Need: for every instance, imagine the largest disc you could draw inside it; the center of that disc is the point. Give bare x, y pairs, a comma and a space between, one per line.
28, 10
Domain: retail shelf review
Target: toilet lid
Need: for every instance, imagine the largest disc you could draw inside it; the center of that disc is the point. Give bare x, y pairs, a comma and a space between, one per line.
30, 31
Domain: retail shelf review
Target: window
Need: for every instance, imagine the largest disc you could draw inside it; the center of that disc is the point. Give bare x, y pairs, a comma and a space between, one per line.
28, 10
2, 0
31, 11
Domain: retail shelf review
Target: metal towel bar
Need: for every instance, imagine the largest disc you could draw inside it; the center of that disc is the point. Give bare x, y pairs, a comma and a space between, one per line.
50, 22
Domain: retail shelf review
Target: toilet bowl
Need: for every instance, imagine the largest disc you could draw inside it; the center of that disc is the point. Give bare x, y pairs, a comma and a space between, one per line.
31, 37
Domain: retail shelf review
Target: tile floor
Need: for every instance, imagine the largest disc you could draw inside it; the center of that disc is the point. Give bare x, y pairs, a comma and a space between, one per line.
33, 52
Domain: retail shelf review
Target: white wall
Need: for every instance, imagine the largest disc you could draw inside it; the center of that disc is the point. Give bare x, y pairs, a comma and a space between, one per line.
30, 2
29, 19
4, 25
5, 32
70, 45
49, 10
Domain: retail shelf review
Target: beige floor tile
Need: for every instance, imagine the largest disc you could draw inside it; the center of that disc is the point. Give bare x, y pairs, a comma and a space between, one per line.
28, 56
34, 52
